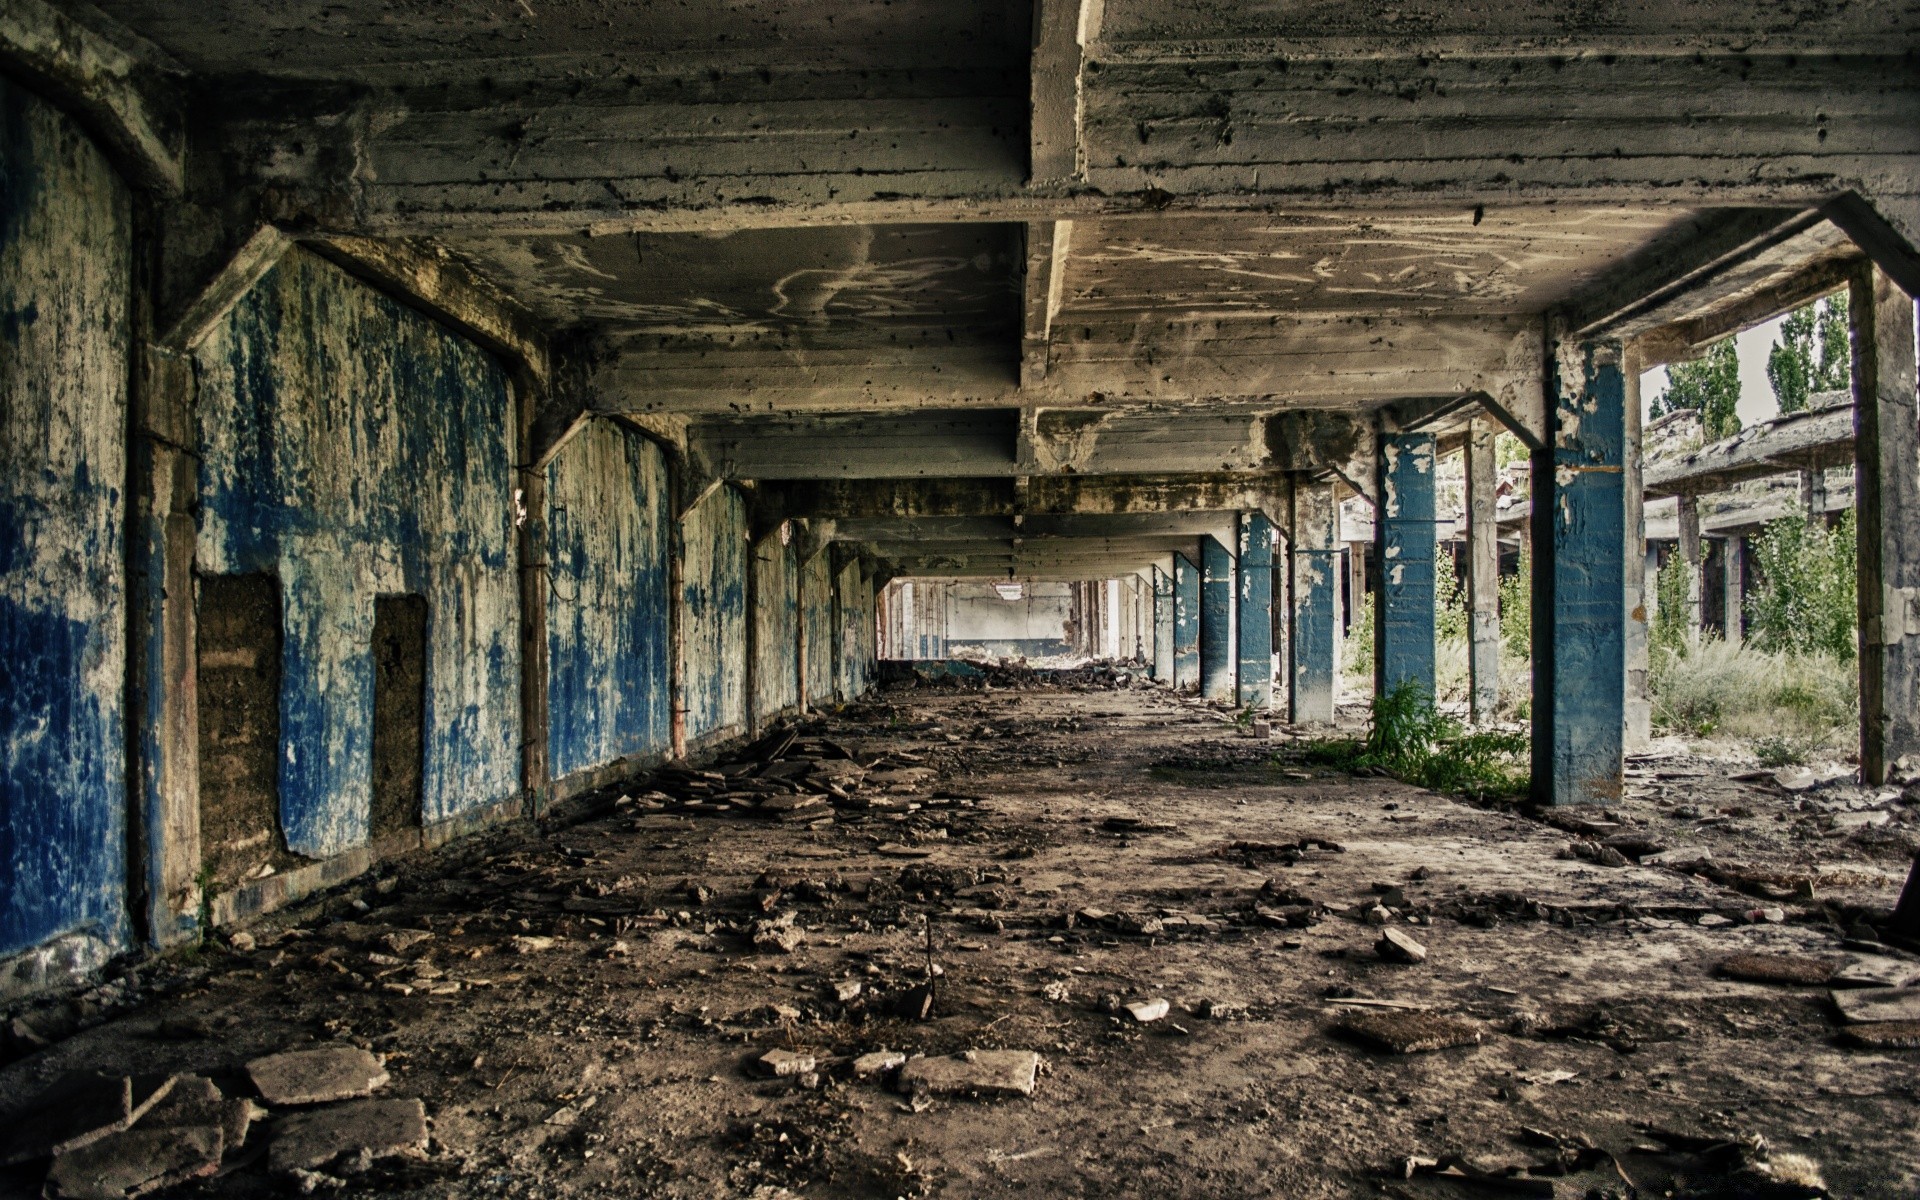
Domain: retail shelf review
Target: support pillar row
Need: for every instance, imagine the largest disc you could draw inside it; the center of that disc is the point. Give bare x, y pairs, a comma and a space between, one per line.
1579, 575
1483, 572
1186, 622
1216, 620
1313, 616
1404, 534
1254, 623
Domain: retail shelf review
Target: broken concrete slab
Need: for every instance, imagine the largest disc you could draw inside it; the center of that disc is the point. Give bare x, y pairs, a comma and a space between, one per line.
1147, 1011
986, 1072
1395, 946
877, 1062
196, 1101
364, 1129
134, 1162
1884, 1035
1410, 1032
317, 1076
1874, 1005
1777, 968
782, 1064
77, 1109
1875, 970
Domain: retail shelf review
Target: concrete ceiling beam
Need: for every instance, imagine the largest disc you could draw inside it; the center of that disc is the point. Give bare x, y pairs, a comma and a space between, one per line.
1034, 497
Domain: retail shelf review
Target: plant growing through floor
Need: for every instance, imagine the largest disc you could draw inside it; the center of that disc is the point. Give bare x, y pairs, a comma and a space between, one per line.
1516, 607
1449, 598
1670, 618
1801, 704
1356, 649
1806, 601
1412, 740
1814, 353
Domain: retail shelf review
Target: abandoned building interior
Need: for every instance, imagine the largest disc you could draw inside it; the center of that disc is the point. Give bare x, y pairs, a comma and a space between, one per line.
813, 597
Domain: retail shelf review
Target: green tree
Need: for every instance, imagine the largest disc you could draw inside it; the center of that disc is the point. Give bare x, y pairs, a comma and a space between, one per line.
1806, 602
1449, 598
1672, 617
1516, 607
1814, 353
1710, 384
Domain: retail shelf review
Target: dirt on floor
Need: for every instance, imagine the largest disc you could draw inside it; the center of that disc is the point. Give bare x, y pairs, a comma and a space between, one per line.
584, 1005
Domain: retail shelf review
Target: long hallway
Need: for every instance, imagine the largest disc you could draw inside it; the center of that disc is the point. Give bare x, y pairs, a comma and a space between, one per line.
597, 1005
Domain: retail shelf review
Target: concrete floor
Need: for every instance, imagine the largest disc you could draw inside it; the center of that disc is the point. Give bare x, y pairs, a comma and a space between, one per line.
615, 1060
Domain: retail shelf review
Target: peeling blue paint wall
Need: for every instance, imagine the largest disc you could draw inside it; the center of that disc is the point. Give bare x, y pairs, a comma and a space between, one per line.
1186, 623
1580, 624
1216, 620
65, 253
354, 448
714, 593
1254, 621
1404, 532
816, 615
776, 615
1162, 626
608, 665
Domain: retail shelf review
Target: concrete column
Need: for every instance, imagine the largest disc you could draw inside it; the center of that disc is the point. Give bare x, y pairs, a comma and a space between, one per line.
1314, 616
1689, 507
1254, 672
1813, 495
1733, 588
1483, 572
1887, 492
1216, 620
1636, 600
1404, 534
1162, 626
1186, 622
1579, 622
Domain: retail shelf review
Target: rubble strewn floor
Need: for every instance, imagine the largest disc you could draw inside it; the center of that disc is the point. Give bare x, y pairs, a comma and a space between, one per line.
676, 1002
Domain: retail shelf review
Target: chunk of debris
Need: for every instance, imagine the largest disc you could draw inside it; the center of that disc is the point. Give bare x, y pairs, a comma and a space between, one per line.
1409, 1032
897, 850
878, 1062
1884, 1035
783, 1064
1874, 970
1214, 1009
1874, 1005
1777, 968
1395, 946
195, 1101
523, 944
1147, 1011
134, 1162
79, 1108
988, 1072
778, 935
402, 940
317, 1076
363, 1129
847, 990
1137, 825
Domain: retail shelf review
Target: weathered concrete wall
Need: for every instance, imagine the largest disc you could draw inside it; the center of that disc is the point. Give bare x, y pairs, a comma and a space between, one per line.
1034, 624
1216, 620
859, 629
714, 600
816, 618
65, 253
1186, 623
608, 672
776, 618
354, 448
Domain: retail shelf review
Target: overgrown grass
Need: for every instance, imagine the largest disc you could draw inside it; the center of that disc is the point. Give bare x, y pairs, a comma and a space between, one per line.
1790, 706
1412, 740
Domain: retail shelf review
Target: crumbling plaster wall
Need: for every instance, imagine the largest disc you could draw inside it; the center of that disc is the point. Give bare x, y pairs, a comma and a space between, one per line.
609, 670
816, 618
354, 448
859, 631
776, 623
65, 254
714, 593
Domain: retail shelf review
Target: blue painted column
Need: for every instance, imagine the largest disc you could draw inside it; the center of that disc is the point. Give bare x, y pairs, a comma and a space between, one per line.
1216, 620
1404, 537
1579, 573
1186, 622
1162, 626
1254, 624
1313, 612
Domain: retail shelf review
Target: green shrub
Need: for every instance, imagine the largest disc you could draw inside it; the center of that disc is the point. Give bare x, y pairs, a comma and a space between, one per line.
1516, 608
1806, 601
1672, 618
1449, 599
1414, 741
1356, 649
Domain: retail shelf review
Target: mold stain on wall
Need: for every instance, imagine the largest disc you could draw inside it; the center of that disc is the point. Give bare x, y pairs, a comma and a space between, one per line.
354, 448
713, 591
65, 250
607, 607
237, 665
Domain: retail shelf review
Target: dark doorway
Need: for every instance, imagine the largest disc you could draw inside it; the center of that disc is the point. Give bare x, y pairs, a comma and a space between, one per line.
399, 712
237, 653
